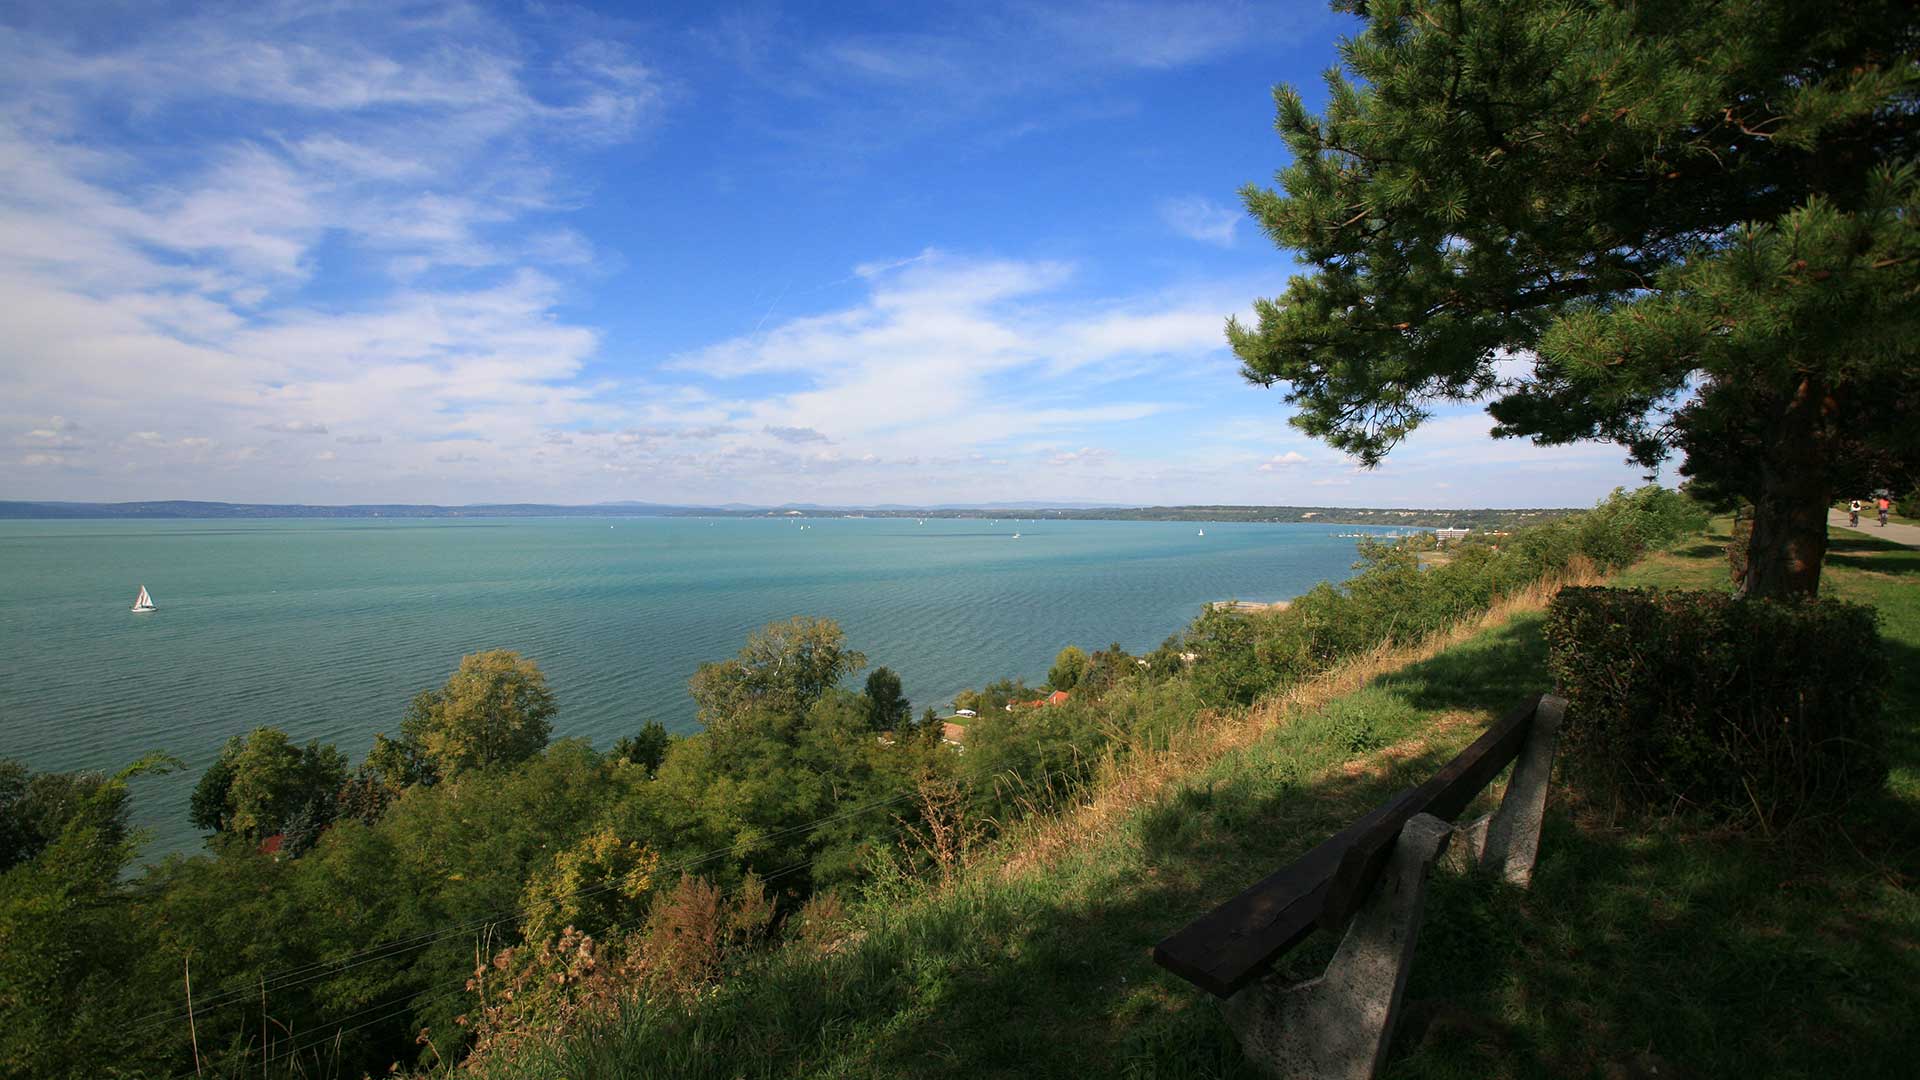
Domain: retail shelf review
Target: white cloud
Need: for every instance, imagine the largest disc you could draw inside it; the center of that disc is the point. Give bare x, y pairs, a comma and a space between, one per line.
1202, 219
795, 434
980, 350
1133, 333
55, 433
1086, 455
1283, 461
1008, 69
152, 278
1142, 34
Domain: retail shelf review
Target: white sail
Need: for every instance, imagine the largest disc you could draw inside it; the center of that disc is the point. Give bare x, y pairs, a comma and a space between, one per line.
143, 602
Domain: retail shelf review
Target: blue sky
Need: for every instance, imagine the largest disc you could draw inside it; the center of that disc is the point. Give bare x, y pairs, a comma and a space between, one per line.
843, 254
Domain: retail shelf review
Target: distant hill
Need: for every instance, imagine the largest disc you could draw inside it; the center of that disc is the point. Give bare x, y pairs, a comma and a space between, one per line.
170, 509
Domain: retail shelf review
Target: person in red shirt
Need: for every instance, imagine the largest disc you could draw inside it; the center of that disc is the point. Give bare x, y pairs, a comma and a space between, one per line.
1884, 505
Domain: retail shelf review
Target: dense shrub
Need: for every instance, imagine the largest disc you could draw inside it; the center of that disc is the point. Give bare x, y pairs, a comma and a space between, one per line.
1390, 600
1755, 711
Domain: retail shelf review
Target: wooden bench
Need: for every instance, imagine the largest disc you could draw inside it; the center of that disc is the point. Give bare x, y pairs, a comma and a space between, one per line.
1226, 951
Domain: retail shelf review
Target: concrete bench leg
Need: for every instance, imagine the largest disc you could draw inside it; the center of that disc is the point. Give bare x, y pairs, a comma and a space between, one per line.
1512, 838
1340, 1024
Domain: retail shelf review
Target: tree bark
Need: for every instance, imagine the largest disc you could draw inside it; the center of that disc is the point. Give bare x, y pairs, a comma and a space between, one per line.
1789, 540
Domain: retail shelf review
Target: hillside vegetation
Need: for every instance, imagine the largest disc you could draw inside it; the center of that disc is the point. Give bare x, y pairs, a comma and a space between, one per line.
1664, 948
469, 892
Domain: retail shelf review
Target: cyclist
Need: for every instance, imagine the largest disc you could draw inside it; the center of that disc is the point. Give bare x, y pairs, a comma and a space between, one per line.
1885, 504
1853, 514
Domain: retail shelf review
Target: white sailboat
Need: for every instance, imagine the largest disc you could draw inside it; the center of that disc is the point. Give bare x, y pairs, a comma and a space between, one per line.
1203, 532
143, 602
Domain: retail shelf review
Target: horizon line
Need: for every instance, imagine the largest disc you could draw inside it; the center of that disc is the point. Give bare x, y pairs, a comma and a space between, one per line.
735, 507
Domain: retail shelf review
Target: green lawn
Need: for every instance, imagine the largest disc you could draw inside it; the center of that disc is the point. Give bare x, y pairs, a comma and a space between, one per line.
1639, 952
1673, 950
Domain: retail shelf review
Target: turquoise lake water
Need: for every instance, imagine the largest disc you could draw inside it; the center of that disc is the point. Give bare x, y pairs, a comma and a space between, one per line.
326, 628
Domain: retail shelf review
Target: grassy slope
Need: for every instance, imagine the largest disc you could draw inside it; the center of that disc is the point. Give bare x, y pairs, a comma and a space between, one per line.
1673, 951
1718, 955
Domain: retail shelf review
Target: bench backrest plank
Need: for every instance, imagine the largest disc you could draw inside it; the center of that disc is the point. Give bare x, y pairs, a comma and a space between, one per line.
1237, 942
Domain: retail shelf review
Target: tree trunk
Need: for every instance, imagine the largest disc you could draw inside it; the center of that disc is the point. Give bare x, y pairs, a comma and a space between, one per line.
1789, 539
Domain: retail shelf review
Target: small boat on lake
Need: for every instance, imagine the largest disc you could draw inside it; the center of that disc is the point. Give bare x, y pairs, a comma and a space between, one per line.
143, 602
1203, 532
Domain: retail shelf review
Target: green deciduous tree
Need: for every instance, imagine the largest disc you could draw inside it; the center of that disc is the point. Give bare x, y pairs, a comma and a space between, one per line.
1688, 225
887, 707
494, 710
262, 782
784, 668
75, 969
1069, 666
19, 839
595, 885
1107, 668
994, 696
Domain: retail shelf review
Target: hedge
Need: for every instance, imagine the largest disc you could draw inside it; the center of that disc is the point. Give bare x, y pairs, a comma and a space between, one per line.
1391, 600
1755, 711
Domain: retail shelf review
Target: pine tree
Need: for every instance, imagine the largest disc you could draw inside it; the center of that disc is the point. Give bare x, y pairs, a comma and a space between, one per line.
886, 706
1679, 226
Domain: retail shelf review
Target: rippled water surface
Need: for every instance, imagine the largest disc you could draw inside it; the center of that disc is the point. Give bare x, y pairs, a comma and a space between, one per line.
326, 627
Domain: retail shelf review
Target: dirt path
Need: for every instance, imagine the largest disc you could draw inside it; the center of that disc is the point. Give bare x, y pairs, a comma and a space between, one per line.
1870, 525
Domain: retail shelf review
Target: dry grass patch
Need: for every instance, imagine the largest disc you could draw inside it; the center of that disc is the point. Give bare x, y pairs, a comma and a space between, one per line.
1124, 783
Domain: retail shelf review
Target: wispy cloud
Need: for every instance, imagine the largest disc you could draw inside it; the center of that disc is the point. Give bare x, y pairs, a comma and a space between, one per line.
169, 275
872, 88
1202, 219
981, 350
795, 434
1086, 455
242, 241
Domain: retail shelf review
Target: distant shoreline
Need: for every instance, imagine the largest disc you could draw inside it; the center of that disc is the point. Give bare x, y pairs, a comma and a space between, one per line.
1209, 514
